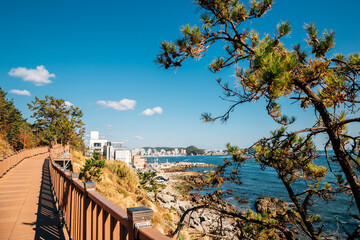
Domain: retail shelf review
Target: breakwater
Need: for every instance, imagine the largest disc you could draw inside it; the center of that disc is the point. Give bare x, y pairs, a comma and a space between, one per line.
179, 166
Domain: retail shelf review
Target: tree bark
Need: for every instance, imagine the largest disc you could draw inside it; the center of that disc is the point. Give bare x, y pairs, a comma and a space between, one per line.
338, 147
305, 224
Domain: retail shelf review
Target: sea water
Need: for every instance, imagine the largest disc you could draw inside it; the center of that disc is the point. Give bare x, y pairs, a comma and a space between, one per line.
335, 214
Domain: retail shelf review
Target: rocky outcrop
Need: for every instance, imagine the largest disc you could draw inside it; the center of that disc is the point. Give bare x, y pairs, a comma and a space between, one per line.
182, 166
204, 220
272, 206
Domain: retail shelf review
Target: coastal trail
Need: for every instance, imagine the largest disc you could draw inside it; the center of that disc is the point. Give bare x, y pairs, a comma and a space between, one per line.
27, 206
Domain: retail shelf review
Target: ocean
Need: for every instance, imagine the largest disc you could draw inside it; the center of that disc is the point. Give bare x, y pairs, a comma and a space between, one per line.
335, 214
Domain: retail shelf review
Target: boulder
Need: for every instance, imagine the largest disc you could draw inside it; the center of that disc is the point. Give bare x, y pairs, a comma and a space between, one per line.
165, 198
272, 206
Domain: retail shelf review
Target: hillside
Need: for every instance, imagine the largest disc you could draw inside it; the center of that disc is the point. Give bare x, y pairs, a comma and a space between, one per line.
5, 147
121, 185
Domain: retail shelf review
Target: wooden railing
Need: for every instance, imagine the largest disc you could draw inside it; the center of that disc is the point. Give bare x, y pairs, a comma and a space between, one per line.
59, 149
8, 162
88, 215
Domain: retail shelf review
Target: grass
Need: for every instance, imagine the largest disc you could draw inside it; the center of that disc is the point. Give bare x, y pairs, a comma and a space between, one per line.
4, 147
120, 184
126, 176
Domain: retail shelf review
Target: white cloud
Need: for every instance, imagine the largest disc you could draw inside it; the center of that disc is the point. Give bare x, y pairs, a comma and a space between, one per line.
150, 112
122, 105
109, 126
39, 76
139, 138
20, 92
68, 104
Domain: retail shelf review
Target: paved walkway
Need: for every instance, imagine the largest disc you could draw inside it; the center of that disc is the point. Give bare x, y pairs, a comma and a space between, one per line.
27, 208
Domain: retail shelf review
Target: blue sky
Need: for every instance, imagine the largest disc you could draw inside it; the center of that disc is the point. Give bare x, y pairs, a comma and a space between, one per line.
94, 52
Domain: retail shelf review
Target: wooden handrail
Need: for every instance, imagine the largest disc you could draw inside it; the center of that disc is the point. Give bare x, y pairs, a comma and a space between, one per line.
89, 215
10, 161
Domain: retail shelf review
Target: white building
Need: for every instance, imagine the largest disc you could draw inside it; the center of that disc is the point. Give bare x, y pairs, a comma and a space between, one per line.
149, 151
96, 144
176, 151
123, 155
162, 152
111, 150
138, 151
115, 151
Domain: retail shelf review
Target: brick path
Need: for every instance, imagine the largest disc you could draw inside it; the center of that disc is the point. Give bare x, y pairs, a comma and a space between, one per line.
27, 208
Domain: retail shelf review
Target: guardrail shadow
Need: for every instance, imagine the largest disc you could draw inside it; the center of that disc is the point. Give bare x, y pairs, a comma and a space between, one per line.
48, 225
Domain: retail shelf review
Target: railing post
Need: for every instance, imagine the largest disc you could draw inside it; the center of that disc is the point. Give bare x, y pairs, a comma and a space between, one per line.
61, 188
87, 212
138, 217
71, 224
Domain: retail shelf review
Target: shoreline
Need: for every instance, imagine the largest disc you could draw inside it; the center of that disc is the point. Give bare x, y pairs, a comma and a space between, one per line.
162, 156
246, 195
177, 196
177, 166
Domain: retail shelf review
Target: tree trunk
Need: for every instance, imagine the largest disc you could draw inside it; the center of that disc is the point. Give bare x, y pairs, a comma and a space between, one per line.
307, 227
338, 147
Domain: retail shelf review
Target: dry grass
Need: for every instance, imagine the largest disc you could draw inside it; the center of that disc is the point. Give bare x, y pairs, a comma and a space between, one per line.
120, 184
4, 147
78, 160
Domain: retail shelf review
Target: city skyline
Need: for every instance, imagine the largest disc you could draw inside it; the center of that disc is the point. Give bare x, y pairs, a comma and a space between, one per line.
99, 57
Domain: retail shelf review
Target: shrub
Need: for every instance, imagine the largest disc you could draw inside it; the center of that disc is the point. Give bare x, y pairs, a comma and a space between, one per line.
124, 173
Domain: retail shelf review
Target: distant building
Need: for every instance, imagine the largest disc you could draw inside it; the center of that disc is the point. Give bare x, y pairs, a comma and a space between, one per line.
149, 151
116, 151
138, 162
111, 150
138, 151
96, 144
123, 155
176, 151
162, 152
183, 152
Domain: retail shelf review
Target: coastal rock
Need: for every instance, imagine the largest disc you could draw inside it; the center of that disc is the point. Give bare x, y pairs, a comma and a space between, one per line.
271, 206
165, 198
182, 166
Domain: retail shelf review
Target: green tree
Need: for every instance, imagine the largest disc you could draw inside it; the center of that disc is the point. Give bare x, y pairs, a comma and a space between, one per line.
59, 123
194, 150
12, 124
326, 85
91, 171
149, 181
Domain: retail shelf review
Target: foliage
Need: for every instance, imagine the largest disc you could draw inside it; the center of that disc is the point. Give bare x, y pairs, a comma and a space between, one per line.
91, 171
327, 86
125, 174
148, 181
13, 127
59, 123
192, 150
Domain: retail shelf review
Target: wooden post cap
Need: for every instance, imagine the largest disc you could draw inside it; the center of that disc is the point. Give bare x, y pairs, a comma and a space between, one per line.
139, 213
75, 176
89, 186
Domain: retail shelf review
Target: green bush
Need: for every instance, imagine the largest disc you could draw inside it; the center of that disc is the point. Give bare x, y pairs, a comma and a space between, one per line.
91, 171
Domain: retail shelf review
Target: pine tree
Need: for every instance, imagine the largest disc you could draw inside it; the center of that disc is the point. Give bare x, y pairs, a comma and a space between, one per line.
91, 171
57, 121
12, 124
327, 85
